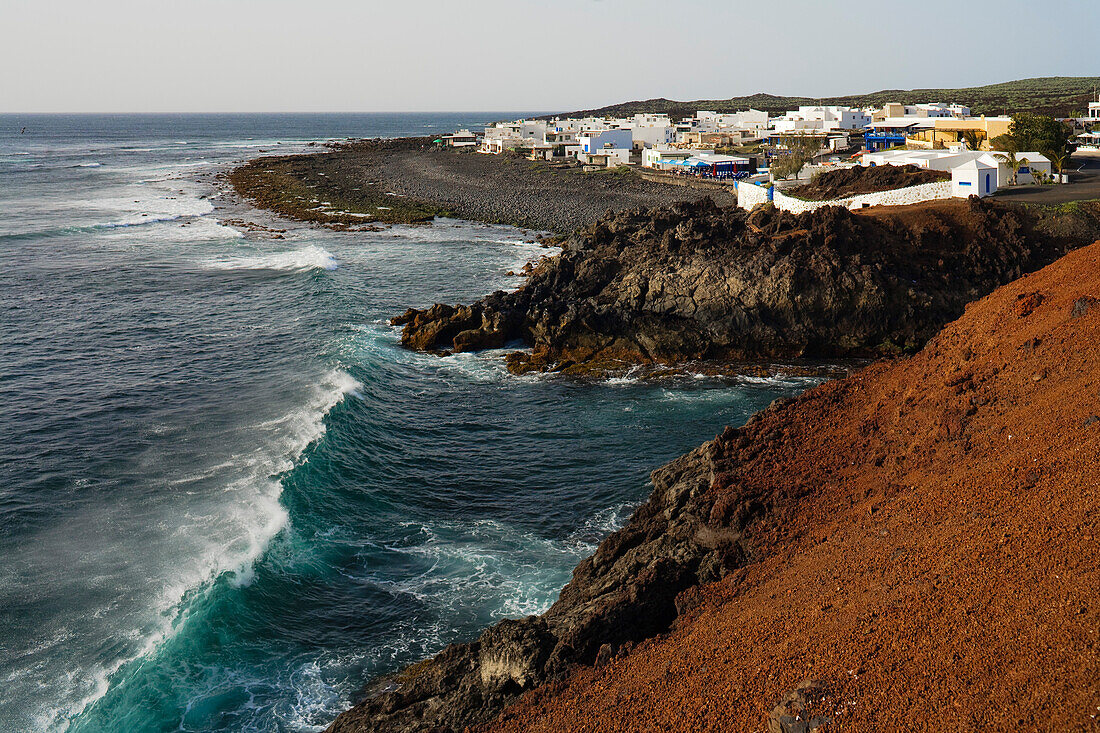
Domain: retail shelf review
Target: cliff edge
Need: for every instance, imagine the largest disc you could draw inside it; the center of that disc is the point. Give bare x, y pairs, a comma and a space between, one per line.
913, 547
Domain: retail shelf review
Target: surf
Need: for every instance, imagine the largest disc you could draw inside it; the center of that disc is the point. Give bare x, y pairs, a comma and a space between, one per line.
303, 259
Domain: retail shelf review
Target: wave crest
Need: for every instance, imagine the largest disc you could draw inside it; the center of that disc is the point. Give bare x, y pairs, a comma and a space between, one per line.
304, 259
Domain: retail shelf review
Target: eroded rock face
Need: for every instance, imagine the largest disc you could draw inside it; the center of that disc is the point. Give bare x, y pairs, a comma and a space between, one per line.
624, 593
697, 282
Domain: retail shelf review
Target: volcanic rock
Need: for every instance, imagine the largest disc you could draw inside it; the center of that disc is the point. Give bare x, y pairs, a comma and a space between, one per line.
697, 282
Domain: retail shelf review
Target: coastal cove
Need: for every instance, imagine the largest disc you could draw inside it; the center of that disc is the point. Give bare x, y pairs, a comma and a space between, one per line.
289, 503
759, 393
692, 282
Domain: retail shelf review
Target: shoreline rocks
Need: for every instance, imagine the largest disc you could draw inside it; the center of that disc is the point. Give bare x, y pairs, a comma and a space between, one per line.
697, 282
408, 180
877, 537
623, 594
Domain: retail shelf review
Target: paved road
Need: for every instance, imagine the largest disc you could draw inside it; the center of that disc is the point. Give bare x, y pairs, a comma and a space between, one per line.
1084, 176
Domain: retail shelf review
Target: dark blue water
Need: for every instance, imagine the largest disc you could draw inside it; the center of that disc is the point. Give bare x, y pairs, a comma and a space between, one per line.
227, 497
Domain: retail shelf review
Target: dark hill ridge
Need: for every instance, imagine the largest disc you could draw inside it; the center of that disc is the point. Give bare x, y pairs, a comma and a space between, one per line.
1060, 96
697, 282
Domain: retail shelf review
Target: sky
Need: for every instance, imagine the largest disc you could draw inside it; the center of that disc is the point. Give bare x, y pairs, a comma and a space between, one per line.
501, 55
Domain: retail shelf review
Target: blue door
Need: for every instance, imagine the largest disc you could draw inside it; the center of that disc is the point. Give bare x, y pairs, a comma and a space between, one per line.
987, 183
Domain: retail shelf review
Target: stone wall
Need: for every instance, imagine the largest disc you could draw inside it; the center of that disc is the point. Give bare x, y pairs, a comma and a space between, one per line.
749, 195
702, 184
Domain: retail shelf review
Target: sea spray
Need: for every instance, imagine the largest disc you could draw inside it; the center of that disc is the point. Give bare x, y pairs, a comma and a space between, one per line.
228, 497
303, 259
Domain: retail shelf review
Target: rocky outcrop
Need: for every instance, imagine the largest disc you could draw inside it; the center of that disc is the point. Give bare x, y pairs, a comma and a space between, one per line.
697, 282
626, 592
844, 182
916, 531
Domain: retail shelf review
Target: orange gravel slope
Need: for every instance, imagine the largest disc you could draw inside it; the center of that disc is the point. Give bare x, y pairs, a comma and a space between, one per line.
928, 550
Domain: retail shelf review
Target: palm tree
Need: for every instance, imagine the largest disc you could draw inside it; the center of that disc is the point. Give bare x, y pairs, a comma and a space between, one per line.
972, 138
1013, 162
1060, 160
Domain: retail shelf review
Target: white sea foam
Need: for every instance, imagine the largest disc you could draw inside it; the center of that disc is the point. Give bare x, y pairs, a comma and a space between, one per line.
316, 702
779, 379
473, 563
303, 259
223, 534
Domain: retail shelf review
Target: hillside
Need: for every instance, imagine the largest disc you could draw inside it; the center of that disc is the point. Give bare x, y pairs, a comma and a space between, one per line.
1060, 96
918, 539
922, 543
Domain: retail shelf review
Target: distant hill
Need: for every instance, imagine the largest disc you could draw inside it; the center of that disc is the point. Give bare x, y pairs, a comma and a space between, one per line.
1060, 96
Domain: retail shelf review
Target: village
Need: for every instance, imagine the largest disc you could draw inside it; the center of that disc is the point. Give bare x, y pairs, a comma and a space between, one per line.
761, 156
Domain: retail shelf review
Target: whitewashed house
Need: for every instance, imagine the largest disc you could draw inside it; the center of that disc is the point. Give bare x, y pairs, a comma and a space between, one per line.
606, 158
975, 177
649, 135
1031, 163
656, 157
825, 118
612, 147
461, 139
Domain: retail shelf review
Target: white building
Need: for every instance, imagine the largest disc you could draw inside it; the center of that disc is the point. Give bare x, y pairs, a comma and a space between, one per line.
1094, 110
973, 178
647, 130
461, 139
1031, 163
933, 109
825, 118
751, 119
958, 155
654, 157
512, 135
596, 142
606, 158
578, 124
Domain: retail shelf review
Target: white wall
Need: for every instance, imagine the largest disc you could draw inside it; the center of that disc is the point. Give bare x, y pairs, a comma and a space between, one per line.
653, 134
749, 195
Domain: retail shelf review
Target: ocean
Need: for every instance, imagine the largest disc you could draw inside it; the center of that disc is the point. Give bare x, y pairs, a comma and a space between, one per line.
227, 496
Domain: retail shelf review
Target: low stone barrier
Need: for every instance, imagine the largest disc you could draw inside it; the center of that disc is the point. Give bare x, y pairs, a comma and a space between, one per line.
750, 195
655, 176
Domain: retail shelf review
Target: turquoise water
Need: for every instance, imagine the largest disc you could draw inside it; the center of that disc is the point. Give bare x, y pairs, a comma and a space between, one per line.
227, 497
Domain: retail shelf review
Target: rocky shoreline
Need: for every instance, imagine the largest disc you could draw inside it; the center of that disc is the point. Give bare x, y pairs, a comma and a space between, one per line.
698, 282
881, 448
623, 594
408, 180
905, 457
705, 611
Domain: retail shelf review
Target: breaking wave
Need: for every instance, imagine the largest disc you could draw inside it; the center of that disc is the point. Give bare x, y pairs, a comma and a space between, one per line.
303, 259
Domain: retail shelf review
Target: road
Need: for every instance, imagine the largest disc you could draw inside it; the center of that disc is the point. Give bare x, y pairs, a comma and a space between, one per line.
1084, 176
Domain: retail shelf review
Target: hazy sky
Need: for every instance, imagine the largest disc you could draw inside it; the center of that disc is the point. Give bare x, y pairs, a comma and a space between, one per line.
473, 55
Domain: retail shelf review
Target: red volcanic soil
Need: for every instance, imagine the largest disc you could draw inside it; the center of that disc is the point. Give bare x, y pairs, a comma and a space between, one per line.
929, 550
